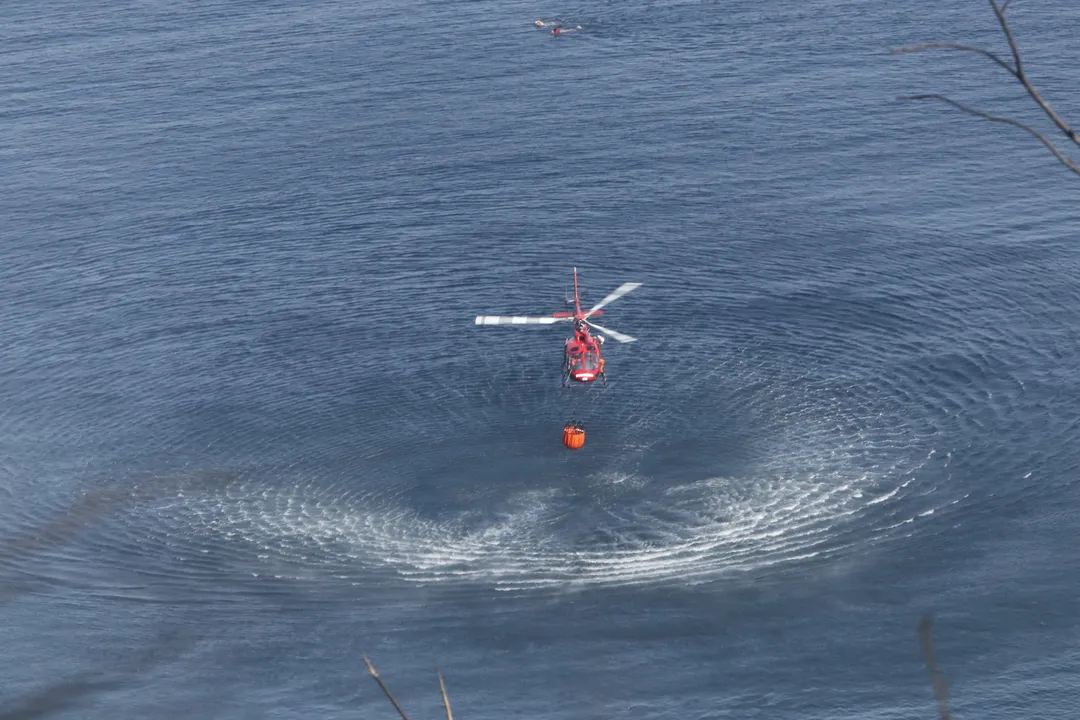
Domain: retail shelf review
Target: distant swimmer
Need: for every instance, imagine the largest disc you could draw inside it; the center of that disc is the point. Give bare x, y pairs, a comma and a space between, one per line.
542, 24
563, 31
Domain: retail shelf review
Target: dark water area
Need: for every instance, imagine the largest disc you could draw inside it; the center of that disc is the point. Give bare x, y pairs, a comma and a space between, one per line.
250, 432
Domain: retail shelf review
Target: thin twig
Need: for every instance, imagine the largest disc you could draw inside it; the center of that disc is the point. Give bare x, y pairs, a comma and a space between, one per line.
54, 533
997, 118
1022, 77
954, 46
61, 528
1000, 14
940, 690
59, 696
371, 669
1016, 70
76, 691
445, 699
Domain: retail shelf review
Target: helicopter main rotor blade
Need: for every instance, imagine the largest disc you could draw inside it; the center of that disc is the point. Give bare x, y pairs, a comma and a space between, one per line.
619, 292
617, 335
516, 320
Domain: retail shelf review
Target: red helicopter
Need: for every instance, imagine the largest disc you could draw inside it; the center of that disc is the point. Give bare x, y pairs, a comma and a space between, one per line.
582, 360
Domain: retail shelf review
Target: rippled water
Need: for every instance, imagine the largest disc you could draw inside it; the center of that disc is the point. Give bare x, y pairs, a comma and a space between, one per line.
251, 433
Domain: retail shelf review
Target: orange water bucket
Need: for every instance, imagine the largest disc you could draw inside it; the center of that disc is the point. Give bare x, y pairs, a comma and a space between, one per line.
573, 437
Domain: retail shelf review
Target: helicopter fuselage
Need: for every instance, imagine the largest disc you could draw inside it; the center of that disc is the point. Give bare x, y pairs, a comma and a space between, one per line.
582, 358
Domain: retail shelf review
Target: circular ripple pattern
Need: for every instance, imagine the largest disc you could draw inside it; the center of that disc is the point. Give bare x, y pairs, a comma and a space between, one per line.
806, 419
822, 466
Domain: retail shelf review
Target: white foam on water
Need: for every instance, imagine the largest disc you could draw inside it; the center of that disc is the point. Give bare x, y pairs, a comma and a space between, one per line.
828, 474
796, 507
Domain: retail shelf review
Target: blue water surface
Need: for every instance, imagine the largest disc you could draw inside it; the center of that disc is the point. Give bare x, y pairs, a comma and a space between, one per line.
250, 433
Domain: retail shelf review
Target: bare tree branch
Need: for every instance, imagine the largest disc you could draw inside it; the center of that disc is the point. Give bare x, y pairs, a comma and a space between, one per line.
997, 118
1017, 71
63, 695
1012, 41
54, 533
60, 529
73, 692
940, 691
445, 699
1069, 132
371, 669
954, 46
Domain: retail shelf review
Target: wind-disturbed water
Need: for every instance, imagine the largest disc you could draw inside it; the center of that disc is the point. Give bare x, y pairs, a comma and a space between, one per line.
243, 249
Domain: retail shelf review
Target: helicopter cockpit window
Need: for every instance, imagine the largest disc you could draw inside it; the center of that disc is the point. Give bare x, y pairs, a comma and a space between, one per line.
591, 360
